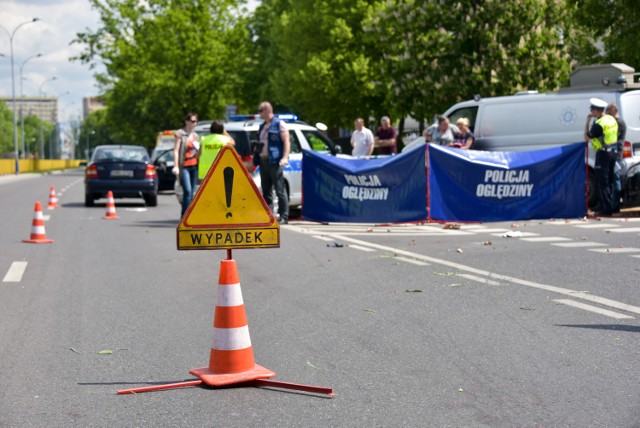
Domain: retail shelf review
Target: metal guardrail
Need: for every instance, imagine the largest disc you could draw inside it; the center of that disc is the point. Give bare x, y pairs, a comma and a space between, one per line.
8, 166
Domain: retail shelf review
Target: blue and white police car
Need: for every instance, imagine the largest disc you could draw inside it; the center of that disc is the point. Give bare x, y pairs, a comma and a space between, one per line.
303, 136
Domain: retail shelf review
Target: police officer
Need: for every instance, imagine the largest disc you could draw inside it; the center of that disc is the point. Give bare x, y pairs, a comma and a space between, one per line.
274, 157
603, 136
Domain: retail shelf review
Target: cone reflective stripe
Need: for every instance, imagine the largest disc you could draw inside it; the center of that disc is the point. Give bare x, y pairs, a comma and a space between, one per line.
231, 358
111, 207
38, 235
53, 200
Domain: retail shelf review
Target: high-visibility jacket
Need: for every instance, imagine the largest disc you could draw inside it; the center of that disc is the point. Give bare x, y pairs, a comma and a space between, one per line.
211, 145
609, 127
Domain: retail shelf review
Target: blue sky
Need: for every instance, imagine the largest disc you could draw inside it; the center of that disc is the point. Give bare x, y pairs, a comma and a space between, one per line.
60, 20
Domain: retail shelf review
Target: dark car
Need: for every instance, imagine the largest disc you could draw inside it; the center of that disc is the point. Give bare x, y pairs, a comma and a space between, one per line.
126, 171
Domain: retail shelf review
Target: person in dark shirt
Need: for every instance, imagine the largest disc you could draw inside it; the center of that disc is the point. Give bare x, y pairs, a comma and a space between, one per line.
385, 138
612, 109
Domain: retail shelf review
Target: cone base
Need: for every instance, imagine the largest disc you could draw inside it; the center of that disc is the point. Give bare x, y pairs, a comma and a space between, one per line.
220, 379
38, 241
52, 207
110, 217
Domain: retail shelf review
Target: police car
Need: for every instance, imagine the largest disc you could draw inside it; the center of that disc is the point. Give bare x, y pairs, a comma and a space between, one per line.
244, 130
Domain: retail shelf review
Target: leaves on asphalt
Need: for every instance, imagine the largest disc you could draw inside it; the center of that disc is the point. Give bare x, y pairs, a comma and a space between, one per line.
105, 352
335, 245
368, 310
74, 350
413, 291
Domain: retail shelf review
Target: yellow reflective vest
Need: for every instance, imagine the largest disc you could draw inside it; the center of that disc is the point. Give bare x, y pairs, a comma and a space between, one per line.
211, 145
609, 130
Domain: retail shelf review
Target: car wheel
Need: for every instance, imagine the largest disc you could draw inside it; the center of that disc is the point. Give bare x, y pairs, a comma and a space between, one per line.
88, 201
151, 200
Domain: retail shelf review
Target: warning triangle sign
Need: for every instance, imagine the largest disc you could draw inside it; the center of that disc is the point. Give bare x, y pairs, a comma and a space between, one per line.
228, 198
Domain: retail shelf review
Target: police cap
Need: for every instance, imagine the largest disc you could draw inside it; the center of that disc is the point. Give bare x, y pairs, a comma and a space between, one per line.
598, 104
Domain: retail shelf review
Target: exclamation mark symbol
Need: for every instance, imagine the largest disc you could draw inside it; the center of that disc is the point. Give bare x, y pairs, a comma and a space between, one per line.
228, 187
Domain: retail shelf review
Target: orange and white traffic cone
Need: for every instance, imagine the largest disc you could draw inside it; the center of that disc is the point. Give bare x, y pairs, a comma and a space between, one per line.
111, 207
231, 359
38, 235
53, 200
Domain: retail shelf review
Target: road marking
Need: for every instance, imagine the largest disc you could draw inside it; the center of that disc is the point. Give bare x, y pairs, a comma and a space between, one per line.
519, 235
479, 279
408, 260
546, 239
625, 230
590, 308
15, 272
358, 247
597, 226
559, 290
579, 244
615, 250
324, 238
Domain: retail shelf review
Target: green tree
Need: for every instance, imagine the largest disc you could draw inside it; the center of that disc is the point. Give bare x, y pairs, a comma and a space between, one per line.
433, 56
6, 131
313, 59
164, 58
615, 23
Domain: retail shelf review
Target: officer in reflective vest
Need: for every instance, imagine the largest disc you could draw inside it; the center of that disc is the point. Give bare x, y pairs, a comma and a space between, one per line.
211, 145
603, 136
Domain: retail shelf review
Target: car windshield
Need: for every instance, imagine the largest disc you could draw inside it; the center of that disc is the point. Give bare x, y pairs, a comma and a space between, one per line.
120, 154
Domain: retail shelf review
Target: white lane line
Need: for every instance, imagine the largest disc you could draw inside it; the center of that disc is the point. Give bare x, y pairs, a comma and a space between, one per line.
492, 230
15, 272
479, 279
358, 247
597, 226
546, 239
579, 244
408, 260
590, 308
616, 250
519, 235
625, 230
324, 238
559, 290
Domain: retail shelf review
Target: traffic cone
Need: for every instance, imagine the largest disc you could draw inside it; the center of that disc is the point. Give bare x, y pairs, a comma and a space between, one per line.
38, 235
53, 200
111, 207
231, 359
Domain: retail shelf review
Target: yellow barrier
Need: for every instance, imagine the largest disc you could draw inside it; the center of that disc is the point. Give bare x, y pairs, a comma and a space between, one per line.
8, 166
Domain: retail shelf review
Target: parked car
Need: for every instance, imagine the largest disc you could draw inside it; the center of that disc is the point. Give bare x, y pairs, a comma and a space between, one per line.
124, 170
244, 130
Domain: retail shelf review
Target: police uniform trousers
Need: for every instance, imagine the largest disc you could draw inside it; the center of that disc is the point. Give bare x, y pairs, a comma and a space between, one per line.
604, 177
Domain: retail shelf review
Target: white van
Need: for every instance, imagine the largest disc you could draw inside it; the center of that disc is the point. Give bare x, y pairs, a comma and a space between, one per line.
532, 121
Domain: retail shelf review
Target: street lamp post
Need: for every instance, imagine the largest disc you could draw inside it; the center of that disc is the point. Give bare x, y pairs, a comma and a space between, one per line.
24, 152
86, 153
41, 136
13, 91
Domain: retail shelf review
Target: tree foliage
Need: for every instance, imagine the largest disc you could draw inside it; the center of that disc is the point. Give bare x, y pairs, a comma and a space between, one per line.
614, 23
434, 56
164, 58
314, 58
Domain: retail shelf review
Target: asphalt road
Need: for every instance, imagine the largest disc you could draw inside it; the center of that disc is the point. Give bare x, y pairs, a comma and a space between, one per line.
411, 325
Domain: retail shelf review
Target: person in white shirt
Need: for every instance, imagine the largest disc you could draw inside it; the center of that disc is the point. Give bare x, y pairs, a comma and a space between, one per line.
361, 140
